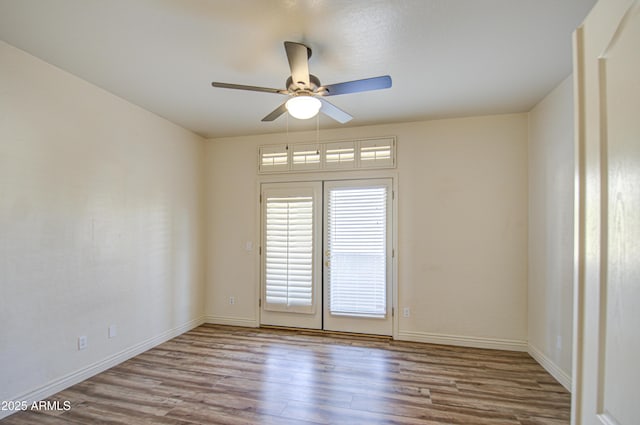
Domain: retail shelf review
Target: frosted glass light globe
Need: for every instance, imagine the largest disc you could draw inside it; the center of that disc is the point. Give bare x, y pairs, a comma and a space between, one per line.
303, 107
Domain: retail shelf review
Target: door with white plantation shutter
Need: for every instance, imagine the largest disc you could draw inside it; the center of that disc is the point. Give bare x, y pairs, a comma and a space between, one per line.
357, 256
291, 257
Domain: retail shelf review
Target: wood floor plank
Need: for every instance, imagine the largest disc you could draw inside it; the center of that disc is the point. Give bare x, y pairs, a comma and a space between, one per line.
229, 375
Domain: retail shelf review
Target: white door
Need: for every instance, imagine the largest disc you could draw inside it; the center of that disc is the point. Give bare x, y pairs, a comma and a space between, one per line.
357, 256
291, 255
606, 366
356, 241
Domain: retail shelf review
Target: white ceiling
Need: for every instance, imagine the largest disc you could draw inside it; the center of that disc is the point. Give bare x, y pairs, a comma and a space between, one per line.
446, 57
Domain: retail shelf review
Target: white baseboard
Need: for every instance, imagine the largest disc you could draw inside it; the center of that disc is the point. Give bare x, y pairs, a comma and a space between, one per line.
555, 371
231, 321
59, 384
463, 341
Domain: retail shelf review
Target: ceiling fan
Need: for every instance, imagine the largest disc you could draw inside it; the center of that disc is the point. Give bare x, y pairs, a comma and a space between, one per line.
306, 94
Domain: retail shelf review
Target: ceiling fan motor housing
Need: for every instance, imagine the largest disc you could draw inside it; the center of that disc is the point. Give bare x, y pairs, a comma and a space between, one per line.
294, 87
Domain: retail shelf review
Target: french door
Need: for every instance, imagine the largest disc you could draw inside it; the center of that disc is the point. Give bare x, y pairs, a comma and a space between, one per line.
291, 255
326, 258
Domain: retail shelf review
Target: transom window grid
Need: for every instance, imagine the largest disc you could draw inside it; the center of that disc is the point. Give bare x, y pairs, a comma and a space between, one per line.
340, 155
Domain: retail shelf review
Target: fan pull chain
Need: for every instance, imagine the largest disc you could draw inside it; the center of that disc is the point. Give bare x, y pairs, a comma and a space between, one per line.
287, 137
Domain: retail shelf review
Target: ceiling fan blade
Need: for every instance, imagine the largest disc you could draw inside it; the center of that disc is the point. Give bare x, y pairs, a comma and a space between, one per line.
276, 113
334, 112
367, 84
298, 55
250, 88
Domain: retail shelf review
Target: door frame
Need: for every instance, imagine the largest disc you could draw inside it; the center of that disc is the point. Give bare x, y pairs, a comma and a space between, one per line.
594, 40
330, 176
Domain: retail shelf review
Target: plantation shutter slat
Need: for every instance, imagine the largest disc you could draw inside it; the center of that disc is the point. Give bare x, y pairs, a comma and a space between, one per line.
305, 157
289, 253
356, 247
340, 155
376, 153
274, 158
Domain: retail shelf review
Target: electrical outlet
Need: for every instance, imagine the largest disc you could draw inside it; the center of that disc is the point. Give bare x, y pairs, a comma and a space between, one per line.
232, 300
82, 342
406, 312
113, 331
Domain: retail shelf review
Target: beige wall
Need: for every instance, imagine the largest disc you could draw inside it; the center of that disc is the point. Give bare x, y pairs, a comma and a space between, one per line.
551, 220
101, 216
462, 241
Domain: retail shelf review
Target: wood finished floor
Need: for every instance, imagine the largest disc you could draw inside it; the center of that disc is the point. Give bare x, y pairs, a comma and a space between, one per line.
227, 375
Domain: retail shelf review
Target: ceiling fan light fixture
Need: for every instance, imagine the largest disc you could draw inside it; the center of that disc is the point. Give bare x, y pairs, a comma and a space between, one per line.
303, 107
303, 87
